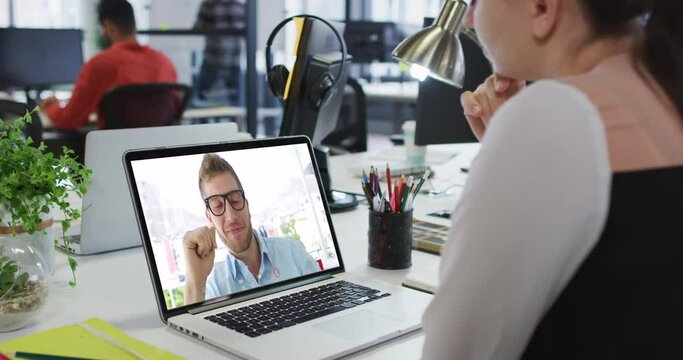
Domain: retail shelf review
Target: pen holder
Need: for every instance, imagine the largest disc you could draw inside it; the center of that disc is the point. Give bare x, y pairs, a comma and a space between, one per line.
390, 238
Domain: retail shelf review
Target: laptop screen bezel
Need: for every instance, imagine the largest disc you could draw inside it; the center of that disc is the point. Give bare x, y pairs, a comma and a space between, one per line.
156, 153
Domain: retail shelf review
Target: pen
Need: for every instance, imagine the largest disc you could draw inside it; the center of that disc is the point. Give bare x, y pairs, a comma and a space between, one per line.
36, 356
368, 197
399, 196
405, 194
422, 181
388, 180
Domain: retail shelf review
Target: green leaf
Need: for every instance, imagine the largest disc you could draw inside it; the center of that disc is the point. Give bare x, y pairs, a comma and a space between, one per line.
72, 263
21, 279
34, 181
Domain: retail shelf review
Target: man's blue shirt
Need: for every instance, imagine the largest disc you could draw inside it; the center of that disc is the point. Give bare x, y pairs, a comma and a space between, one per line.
281, 258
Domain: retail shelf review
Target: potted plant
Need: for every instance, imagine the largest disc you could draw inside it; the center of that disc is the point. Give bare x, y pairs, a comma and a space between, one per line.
33, 183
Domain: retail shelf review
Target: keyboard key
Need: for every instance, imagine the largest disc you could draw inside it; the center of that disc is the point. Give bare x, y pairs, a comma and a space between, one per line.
318, 314
253, 334
242, 329
256, 327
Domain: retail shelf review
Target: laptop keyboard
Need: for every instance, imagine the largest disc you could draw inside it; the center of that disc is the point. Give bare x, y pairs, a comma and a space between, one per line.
285, 311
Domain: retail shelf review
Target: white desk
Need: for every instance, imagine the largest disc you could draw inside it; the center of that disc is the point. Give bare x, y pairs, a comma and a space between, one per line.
117, 288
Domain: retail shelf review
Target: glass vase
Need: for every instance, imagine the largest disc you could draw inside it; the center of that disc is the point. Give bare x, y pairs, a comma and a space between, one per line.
24, 279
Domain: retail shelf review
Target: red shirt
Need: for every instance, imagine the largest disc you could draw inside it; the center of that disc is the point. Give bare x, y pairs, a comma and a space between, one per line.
122, 63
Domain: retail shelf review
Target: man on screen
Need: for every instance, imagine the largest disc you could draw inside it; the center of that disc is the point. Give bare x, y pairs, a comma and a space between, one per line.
252, 261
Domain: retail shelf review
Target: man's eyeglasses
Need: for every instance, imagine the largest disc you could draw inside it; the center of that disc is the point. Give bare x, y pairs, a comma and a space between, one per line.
216, 203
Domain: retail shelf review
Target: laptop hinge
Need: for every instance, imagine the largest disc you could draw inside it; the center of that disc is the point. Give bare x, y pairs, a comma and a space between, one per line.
258, 294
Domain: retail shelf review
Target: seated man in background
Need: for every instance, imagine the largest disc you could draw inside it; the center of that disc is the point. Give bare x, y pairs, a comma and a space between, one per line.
124, 62
252, 260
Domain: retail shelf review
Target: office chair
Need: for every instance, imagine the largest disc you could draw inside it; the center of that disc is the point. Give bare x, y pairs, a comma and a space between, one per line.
12, 110
351, 133
143, 105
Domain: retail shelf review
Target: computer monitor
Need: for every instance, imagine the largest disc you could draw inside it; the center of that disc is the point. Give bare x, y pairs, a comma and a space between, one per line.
440, 116
369, 41
317, 54
39, 58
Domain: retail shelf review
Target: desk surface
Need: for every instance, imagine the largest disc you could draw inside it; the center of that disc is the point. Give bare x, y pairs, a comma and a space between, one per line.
117, 288
392, 91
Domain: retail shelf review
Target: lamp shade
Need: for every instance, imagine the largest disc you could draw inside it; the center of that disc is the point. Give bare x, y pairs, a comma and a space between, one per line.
437, 48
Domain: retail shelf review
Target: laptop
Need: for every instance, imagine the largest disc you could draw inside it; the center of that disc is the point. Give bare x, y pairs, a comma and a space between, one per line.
108, 220
321, 314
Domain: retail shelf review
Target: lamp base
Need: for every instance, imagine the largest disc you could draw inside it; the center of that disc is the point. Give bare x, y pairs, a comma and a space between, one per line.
336, 201
340, 202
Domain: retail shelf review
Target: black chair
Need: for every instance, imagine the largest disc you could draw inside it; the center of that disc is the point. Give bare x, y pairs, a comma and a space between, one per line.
143, 105
351, 132
12, 110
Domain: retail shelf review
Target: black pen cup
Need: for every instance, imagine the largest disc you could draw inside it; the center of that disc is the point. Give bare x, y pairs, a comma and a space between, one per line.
390, 239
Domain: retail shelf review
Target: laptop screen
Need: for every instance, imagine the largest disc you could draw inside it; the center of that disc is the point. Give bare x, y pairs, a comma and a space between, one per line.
257, 217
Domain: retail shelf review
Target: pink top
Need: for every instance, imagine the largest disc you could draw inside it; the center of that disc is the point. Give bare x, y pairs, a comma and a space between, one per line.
643, 127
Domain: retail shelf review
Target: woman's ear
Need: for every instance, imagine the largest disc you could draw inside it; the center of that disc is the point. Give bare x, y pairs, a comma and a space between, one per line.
544, 16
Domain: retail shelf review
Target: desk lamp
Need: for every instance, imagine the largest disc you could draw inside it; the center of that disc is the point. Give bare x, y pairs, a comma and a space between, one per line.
436, 50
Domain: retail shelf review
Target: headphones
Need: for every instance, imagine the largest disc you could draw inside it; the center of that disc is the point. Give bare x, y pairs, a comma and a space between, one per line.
323, 89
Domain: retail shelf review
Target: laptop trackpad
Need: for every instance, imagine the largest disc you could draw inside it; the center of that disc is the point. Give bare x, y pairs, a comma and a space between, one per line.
360, 325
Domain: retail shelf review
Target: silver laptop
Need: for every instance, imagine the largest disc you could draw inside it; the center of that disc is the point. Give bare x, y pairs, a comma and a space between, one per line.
108, 220
288, 309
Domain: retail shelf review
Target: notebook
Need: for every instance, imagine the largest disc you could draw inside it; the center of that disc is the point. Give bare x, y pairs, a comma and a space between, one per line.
299, 303
424, 278
91, 339
108, 221
429, 237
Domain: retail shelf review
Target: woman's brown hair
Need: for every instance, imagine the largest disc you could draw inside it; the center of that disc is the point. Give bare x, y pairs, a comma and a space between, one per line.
661, 47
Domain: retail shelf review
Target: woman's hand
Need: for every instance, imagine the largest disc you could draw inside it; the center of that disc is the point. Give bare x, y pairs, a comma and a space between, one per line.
480, 105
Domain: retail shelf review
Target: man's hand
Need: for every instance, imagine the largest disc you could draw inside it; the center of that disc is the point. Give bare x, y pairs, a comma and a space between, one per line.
480, 105
200, 250
45, 103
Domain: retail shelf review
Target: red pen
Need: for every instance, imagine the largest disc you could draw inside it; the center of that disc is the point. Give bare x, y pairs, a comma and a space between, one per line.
389, 180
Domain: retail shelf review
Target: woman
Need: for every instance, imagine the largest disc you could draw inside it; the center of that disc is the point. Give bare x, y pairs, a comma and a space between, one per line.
567, 241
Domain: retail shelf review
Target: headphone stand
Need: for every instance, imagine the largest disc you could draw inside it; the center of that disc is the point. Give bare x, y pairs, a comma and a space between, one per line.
337, 201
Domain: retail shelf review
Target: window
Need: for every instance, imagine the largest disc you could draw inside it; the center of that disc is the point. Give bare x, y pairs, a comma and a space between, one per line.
4, 13
404, 11
327, 9
46, 13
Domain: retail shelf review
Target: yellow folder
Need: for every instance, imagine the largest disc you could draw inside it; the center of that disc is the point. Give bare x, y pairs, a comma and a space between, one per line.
93, 339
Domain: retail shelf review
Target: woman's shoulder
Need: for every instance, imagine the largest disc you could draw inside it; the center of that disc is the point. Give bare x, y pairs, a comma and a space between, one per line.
547, 101
547, 114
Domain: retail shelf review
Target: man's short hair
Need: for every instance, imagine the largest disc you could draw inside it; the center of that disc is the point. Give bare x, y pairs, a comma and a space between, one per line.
118, 12
213, 165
